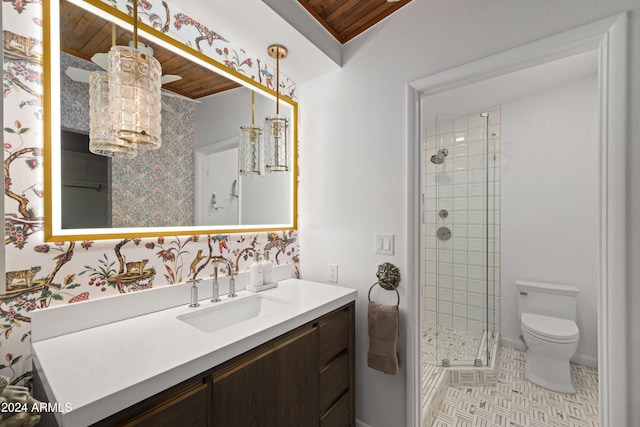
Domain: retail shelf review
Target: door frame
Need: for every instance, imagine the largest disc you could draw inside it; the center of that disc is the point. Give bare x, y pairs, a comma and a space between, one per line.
609, 37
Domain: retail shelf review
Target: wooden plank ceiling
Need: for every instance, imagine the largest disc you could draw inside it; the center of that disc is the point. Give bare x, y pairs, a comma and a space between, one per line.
346, 19
83, 34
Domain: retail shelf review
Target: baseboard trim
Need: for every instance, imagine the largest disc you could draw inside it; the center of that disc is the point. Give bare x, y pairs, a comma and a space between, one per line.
580, 359
513, 343
361, 424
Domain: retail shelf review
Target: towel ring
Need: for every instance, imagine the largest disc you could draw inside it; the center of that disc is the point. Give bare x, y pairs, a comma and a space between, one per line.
381, 285
388, 278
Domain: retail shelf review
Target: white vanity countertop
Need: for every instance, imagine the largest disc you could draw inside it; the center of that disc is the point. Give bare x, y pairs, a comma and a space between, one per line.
104, 369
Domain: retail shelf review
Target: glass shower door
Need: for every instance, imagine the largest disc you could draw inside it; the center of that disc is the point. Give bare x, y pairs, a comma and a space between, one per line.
459, 231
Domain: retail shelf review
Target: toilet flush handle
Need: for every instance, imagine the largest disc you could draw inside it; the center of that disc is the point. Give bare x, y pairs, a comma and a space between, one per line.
525, 293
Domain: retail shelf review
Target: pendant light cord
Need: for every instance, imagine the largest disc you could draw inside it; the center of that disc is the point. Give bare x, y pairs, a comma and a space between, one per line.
278, 52
135, 24
253, 107
278, 82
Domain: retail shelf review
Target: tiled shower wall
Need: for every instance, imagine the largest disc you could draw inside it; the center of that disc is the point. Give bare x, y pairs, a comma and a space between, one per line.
466, 184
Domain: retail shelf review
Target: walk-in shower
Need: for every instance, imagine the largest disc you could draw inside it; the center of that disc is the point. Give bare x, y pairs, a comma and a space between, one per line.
460, 237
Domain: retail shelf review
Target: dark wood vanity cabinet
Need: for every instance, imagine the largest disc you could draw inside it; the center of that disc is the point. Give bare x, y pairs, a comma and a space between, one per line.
302, 378
274, 386
310, 378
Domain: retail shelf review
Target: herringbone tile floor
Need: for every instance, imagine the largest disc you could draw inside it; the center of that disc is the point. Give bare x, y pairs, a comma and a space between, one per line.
515, 402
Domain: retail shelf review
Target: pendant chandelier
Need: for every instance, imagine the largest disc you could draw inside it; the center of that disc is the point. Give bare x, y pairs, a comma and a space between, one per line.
125, 104
134, 97
250, 146
134, 93
101, 139
276, 128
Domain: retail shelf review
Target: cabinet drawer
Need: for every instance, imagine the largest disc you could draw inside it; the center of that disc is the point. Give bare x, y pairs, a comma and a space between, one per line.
334, 380
333, 335
338, 414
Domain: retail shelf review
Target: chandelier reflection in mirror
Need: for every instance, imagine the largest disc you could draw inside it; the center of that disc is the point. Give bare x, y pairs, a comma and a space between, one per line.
276, 128
250, 146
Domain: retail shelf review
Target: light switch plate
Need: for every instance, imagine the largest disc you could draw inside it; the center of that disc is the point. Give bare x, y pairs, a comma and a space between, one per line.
383, 244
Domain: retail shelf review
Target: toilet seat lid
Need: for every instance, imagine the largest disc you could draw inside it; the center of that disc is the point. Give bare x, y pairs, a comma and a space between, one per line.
550, 328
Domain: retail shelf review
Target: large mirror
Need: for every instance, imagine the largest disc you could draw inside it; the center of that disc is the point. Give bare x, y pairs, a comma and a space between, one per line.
192, 184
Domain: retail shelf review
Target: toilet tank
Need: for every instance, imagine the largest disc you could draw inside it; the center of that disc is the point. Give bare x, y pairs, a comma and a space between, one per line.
547, 299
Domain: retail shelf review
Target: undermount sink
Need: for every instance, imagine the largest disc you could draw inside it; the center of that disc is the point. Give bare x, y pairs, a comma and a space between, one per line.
230, 313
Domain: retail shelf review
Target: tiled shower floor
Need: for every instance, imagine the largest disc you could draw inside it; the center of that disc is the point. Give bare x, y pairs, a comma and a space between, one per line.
439, 342
515, 402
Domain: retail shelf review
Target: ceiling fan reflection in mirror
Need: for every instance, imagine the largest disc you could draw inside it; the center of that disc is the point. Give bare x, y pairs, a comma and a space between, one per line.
102, 60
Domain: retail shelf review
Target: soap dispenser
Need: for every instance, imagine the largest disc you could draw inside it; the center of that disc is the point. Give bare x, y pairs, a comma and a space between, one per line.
256, 278
267, 269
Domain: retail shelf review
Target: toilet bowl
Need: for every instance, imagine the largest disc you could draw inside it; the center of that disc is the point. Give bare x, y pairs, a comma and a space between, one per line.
551, 343
547, 321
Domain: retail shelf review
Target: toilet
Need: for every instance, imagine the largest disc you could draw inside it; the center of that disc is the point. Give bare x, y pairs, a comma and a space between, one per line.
547, 315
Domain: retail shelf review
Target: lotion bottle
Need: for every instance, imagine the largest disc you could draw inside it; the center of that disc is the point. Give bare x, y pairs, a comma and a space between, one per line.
256, 273
267, 269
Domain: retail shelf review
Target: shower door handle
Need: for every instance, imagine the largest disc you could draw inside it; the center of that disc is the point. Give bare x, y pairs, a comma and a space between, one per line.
525, 293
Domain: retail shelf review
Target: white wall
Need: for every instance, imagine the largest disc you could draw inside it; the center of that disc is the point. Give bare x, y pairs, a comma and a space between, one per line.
352, 154
261, 204
219, 117
550, 201
220, 169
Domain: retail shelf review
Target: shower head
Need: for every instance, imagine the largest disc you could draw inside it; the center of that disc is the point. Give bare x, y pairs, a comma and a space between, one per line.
437, 159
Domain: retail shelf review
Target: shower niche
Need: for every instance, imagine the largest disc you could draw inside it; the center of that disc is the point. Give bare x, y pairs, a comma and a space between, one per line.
460, 237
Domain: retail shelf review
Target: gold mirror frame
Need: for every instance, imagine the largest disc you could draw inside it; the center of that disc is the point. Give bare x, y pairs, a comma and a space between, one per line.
53, 231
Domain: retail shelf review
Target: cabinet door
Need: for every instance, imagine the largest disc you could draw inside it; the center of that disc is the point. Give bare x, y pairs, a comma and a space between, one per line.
244, 392
183, 405
297, 379
187, 409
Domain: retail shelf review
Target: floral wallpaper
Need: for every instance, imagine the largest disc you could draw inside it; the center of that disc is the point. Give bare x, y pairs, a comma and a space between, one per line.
41, 275
74, 104
156, 189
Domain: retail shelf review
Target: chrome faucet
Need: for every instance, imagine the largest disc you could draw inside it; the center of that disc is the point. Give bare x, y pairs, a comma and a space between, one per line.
194, 292
216, 286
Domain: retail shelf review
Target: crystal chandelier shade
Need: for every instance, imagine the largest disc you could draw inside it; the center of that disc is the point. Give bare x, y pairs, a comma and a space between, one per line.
276, 128
101, 139
276, 143
250, 150
135, 97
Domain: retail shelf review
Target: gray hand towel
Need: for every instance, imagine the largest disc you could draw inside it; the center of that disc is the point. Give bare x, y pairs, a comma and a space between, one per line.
383, 338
